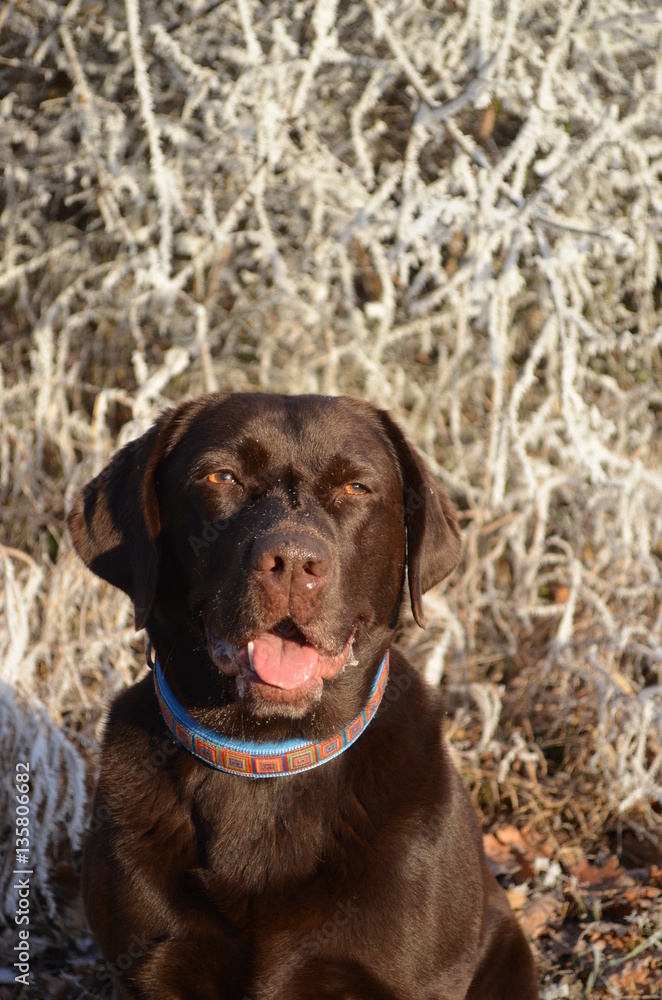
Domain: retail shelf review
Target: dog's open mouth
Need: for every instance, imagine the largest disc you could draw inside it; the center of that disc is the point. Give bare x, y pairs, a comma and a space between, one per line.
281, 658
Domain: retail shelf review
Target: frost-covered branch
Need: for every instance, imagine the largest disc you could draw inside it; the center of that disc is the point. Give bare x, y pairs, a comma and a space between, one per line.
452, 210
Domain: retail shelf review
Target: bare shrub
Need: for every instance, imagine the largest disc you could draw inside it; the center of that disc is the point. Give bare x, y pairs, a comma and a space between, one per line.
450, 209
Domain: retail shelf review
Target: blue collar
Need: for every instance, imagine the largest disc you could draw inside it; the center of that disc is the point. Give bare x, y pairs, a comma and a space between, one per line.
260, 759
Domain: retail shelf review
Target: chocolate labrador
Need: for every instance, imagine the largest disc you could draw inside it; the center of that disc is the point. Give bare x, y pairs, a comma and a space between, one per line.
277, 817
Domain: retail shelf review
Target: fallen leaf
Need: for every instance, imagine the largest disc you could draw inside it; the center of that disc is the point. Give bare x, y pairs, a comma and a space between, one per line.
593, 875
500, 856
517, 898
511, 836
536, 844
631, 976
538, 912
512, 852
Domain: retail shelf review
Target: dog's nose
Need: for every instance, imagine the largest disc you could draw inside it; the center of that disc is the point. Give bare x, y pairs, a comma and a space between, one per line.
290, 562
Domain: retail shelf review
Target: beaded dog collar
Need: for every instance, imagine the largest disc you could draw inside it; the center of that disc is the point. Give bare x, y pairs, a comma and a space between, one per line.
254, 759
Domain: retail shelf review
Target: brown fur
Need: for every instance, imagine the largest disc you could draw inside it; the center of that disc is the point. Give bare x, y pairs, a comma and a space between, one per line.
364, 879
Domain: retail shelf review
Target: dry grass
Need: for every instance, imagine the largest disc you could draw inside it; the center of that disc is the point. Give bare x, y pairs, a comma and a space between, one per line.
451, 209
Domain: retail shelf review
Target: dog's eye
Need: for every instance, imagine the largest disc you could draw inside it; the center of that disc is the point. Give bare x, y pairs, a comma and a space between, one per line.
355, 489
224, 476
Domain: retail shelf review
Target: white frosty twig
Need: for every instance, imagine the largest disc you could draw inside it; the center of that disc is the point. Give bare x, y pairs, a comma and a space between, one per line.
451, 210
161, 178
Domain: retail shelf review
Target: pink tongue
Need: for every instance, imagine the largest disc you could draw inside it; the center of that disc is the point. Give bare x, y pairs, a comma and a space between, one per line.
282, 662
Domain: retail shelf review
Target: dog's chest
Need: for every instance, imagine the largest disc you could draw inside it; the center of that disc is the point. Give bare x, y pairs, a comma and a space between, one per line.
252, 837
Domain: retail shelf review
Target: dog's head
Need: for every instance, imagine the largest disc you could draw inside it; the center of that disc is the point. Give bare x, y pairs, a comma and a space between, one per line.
268, 536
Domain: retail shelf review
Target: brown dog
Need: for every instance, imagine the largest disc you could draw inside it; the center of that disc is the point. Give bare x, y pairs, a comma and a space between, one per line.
264, 541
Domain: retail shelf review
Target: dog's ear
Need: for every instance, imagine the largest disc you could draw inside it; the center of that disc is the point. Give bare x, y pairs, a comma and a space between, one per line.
114, 521
434, 541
